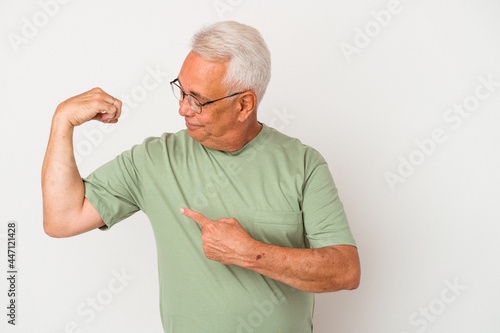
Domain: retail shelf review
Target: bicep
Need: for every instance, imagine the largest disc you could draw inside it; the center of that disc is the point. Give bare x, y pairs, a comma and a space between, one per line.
89, 218
86, 219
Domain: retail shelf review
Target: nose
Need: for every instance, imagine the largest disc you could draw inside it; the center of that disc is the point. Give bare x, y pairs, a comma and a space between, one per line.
185, 109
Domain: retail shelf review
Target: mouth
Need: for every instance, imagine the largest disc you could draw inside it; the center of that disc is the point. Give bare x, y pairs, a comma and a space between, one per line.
192, 126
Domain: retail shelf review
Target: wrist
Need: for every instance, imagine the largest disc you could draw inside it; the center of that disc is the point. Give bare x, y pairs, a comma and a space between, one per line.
61, 121
255, 255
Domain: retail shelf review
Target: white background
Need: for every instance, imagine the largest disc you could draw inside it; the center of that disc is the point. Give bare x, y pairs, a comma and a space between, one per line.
428, 243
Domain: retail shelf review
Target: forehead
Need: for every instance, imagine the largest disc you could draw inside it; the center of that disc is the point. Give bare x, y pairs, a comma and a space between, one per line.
202, 76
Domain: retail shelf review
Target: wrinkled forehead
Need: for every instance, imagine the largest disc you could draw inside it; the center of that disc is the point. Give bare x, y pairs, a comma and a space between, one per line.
201, 76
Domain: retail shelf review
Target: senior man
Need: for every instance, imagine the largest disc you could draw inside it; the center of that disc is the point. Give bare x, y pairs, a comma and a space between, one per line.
247, 221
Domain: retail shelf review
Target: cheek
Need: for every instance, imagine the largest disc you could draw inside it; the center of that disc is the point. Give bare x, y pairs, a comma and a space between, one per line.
204, 120
218, 122
210, 122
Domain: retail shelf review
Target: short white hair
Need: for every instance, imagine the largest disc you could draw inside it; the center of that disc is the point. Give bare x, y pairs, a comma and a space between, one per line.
245, 49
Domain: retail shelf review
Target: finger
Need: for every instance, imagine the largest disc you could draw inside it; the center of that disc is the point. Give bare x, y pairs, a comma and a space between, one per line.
113, 107
102, 95
226, 220
195, 216
99, 96
106, 116
118, 104
110, 112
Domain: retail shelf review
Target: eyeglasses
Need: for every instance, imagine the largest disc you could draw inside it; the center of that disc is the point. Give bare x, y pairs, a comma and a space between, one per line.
194, 103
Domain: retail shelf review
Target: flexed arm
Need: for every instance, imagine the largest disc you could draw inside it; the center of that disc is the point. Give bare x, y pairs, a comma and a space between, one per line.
66, 211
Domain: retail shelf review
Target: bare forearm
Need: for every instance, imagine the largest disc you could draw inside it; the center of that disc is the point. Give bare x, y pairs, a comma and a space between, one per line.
313, 270
62, 186
317, 270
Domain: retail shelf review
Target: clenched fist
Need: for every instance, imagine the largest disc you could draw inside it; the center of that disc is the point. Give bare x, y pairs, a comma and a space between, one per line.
94, 104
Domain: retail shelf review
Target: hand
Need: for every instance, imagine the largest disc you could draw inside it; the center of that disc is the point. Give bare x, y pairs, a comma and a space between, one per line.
224, 240
94, 104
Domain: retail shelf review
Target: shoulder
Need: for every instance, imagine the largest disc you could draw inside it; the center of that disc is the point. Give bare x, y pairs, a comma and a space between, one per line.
293, 147
163, 141
157, 147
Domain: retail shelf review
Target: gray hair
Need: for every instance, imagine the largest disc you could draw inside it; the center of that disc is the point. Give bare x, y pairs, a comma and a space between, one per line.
245, 49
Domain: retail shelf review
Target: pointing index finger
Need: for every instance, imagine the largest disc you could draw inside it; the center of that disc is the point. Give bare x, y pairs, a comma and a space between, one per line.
195, 216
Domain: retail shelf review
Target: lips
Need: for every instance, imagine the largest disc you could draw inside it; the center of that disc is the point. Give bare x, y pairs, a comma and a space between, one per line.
192, 126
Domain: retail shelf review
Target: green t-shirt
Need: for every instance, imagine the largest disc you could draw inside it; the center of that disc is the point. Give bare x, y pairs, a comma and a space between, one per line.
281, 192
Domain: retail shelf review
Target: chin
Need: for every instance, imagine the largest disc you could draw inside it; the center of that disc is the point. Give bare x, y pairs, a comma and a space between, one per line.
195, 135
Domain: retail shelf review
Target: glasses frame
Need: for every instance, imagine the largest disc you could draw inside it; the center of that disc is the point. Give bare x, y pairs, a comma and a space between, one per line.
190, 97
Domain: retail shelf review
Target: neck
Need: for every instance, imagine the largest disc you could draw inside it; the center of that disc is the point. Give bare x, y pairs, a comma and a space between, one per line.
250, 132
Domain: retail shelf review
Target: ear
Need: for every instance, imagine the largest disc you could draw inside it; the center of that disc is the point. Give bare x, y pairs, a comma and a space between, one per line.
247, 103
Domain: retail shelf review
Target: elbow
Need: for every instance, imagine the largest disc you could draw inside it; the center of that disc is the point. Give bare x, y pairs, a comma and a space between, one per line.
350, 278
353, 279
353, 282
51, 229
337, 285
349, 281
344, 273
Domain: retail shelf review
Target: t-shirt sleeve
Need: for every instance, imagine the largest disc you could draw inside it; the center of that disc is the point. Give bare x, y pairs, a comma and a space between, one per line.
114, 188
324, 217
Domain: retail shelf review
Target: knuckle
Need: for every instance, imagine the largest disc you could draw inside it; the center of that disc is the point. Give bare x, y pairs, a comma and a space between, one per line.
95, 103
98, 94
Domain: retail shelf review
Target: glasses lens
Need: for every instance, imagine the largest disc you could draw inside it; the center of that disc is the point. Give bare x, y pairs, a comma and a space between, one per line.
177, 91
194, 103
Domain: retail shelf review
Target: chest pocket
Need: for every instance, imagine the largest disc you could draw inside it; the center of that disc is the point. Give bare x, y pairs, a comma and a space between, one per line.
279, 228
